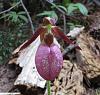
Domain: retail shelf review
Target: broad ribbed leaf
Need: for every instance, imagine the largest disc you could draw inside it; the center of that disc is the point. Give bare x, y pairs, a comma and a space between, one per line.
78, 6
82, 8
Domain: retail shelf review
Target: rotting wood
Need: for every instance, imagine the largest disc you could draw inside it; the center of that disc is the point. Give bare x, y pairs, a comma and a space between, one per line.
70, 81
88, 59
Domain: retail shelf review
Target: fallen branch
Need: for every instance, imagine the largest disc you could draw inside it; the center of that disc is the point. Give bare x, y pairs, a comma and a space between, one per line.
69, 48
73, 34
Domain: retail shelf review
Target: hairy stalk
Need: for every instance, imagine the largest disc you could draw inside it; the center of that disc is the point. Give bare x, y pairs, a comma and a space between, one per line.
48, 87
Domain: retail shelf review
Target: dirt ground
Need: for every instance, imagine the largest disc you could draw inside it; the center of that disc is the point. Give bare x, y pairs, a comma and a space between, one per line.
8, 75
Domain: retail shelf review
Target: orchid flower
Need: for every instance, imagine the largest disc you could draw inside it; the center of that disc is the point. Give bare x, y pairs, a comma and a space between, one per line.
48, 58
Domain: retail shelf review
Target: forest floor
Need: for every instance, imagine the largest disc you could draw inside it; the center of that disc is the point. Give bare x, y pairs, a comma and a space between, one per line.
91, 38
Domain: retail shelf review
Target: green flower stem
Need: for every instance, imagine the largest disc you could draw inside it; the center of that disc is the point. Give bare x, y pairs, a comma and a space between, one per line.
48, 87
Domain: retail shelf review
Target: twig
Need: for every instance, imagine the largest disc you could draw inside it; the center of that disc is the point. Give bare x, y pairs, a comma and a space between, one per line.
42, 3
69, 48
60, 10
27, 15
65, 28
10, 8
97, 2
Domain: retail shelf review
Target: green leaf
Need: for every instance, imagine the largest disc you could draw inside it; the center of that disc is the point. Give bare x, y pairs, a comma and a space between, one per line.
82, 8
51, 14
24, 18
12, 13
21, 13
53, 5
62, 7
59, 6
71, 25
14, 17
45, 13
71, 8
78, 6
1, 58
4, 16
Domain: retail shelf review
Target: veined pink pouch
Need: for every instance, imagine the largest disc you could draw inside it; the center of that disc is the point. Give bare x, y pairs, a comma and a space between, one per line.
49, 61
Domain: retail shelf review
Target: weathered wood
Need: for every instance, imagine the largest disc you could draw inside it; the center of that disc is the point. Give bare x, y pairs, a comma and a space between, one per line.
89, 57
69, 81
75, 32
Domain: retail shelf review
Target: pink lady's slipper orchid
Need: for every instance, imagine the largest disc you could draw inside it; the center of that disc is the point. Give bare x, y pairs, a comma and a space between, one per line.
48, 59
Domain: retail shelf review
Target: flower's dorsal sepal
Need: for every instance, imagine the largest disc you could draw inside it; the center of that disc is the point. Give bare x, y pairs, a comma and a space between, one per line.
48, 20
35, 35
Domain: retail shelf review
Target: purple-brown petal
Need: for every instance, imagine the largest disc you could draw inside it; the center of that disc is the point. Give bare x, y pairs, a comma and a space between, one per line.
34, 36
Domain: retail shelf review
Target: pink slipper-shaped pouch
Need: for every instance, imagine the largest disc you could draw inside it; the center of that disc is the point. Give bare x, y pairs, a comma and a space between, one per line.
49, 61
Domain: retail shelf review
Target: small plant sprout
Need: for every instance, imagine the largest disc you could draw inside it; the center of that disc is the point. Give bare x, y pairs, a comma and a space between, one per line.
15, 17
48, 58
